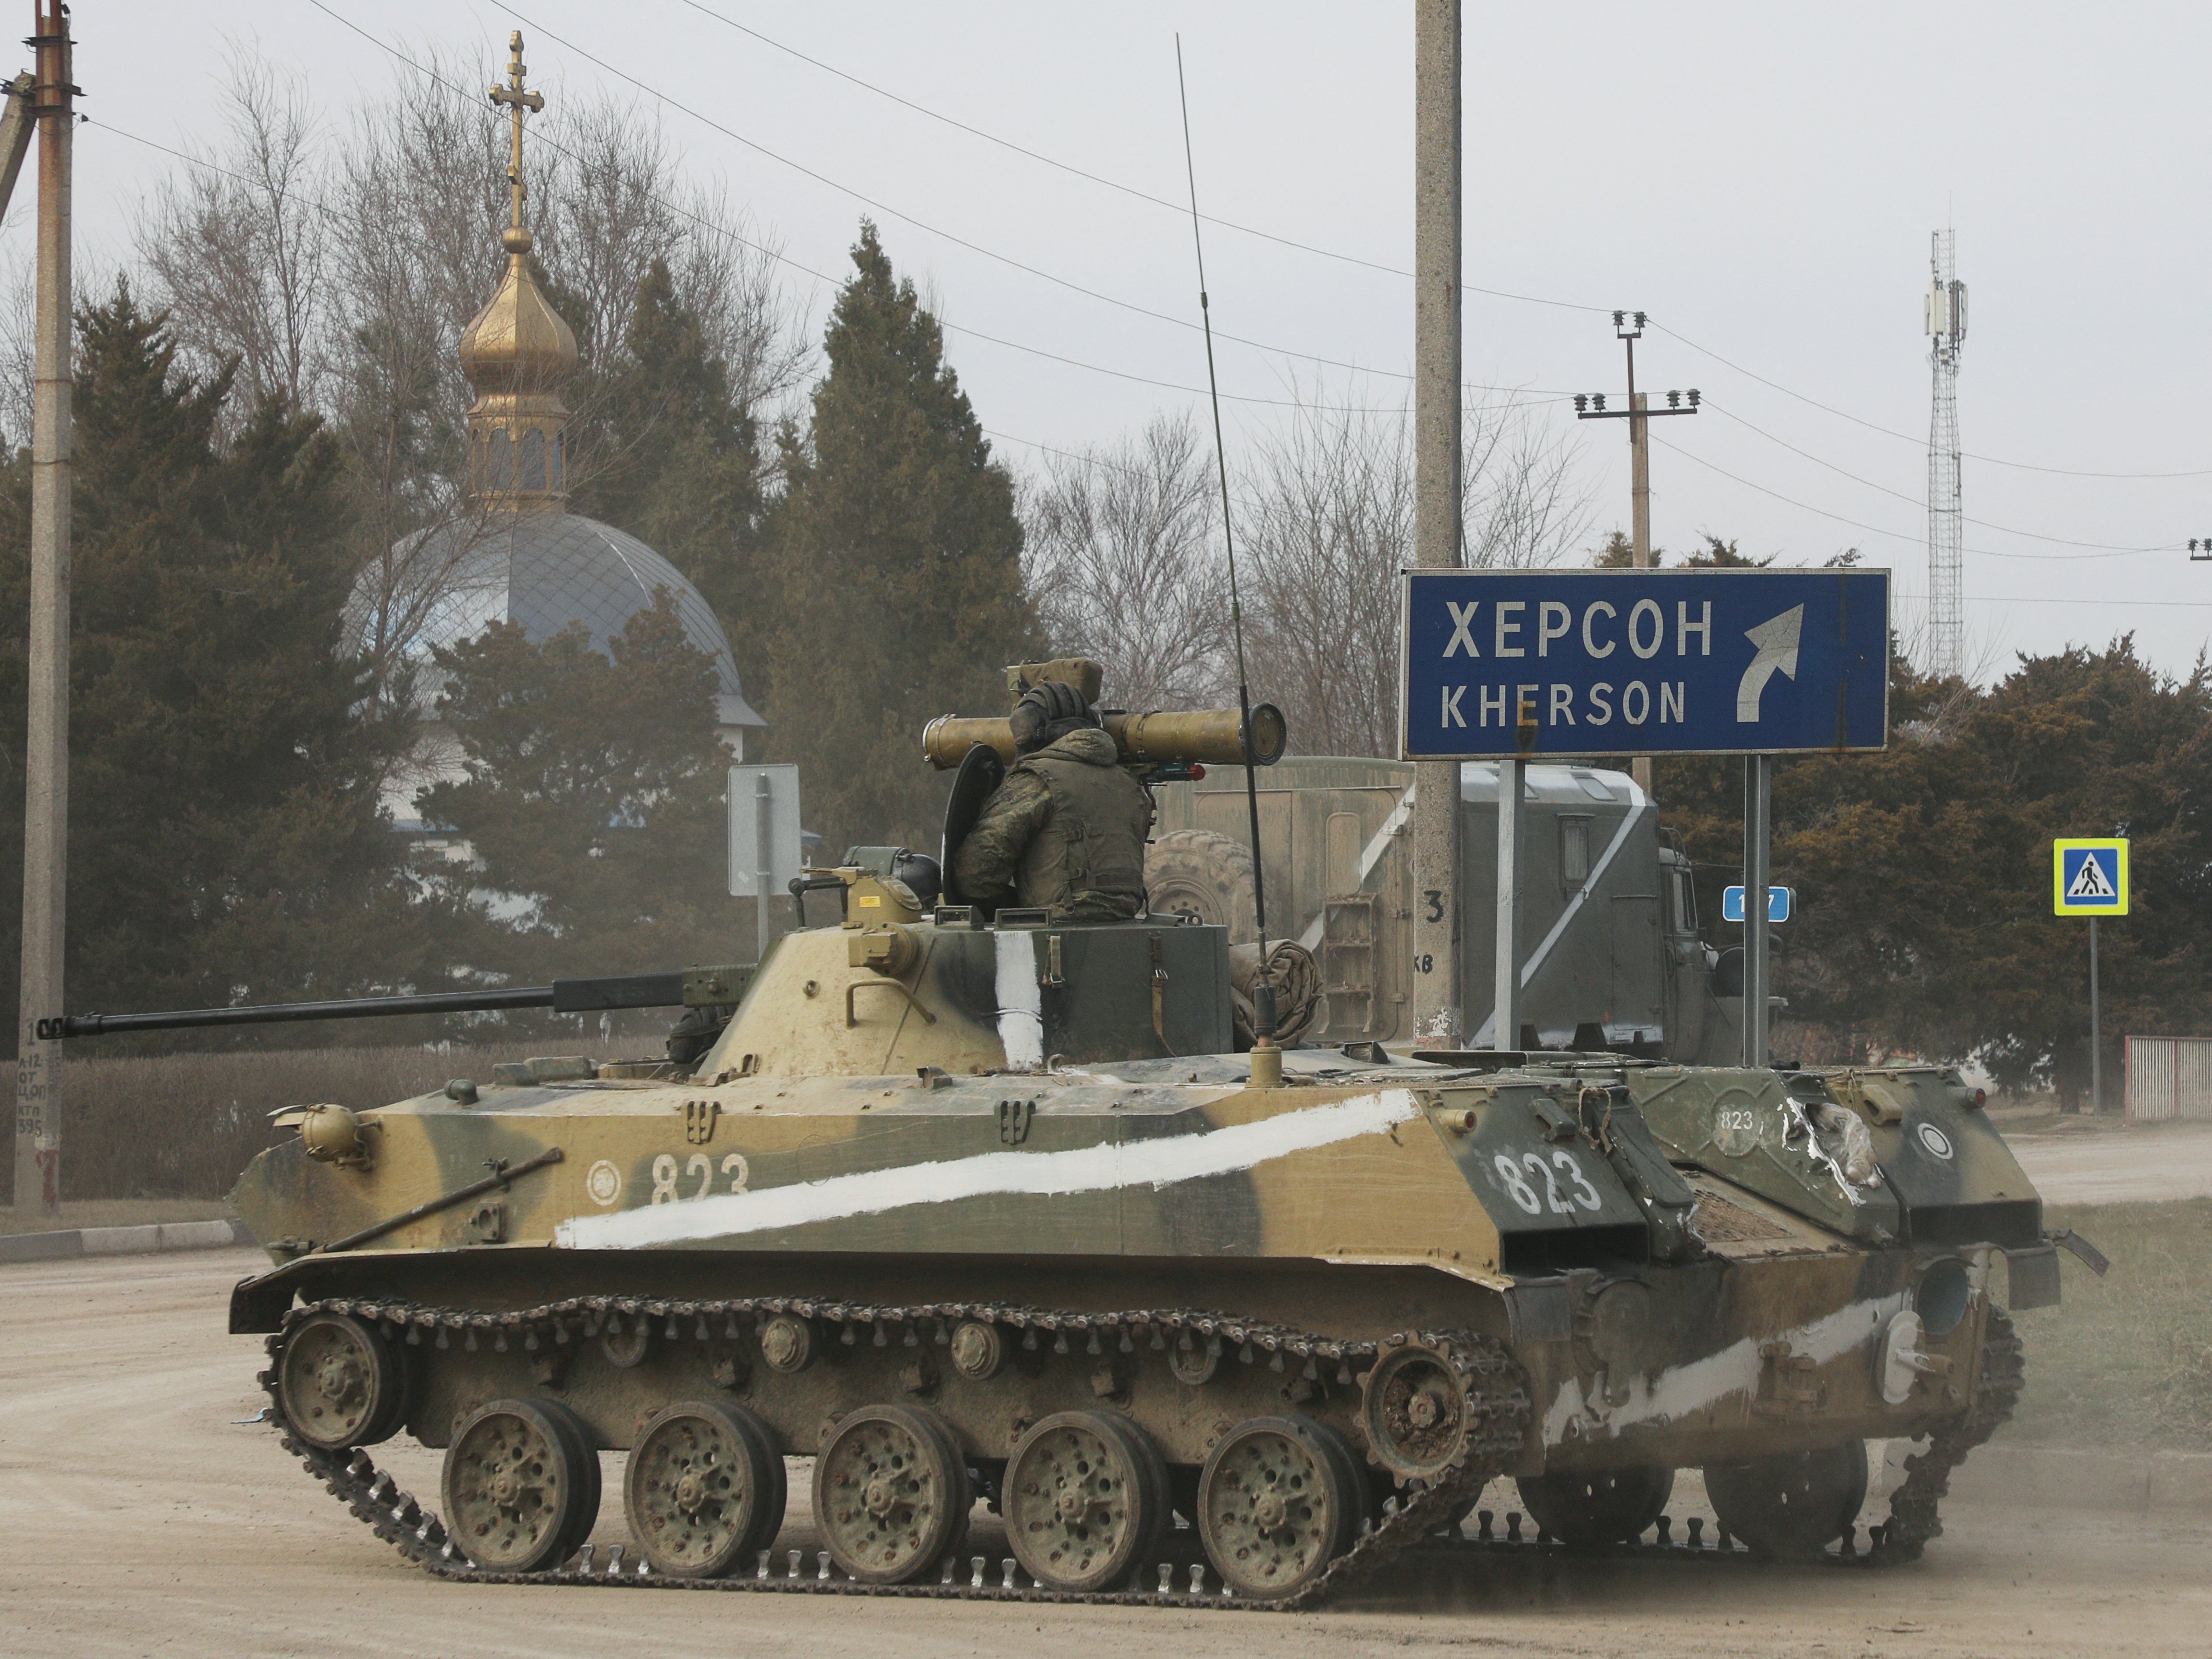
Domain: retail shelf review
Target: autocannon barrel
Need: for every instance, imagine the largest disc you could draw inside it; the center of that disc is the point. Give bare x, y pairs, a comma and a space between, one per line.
693, 987
1165, 735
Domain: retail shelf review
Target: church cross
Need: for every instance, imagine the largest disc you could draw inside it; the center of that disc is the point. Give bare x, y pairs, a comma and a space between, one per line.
516, 101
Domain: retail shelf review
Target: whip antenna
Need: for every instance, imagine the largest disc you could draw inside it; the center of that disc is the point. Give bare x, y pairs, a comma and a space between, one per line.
1263, 995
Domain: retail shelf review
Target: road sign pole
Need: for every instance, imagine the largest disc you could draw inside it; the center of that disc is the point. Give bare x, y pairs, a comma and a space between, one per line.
2089, 878
1505, 1003
2096, 1030
764, 863
1758, 800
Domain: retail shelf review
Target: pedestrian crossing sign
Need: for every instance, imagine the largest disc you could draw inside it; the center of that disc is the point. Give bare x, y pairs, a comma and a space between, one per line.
2089, 878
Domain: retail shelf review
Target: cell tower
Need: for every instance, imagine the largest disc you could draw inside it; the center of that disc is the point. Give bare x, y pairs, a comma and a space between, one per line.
1946, 326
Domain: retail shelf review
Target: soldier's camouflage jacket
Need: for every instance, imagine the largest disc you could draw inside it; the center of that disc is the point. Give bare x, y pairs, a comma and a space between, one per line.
1066, 831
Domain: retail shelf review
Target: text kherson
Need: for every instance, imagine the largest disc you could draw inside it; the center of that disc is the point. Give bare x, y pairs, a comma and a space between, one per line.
1634, 702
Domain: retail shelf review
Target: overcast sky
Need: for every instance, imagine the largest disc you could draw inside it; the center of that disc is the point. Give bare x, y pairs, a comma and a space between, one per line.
1761, 180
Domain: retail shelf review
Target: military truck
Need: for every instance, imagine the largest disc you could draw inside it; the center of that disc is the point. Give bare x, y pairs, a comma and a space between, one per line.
1615, 961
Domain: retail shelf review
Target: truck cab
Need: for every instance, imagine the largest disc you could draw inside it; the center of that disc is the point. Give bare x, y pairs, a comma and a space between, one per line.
1613, 957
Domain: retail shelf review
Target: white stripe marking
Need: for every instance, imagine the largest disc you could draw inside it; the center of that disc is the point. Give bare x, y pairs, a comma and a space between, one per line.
1156, 1163
1637, 803
1370, 856
1682, 1390
1021, 1001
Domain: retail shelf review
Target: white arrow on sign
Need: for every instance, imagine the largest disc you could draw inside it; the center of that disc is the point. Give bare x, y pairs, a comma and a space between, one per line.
1776, 639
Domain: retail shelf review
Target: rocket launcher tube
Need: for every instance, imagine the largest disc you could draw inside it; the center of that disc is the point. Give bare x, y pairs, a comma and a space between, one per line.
1164, 737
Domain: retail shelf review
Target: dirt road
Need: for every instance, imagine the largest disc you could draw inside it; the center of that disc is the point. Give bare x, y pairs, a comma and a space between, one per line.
2104, 1162
139, 1517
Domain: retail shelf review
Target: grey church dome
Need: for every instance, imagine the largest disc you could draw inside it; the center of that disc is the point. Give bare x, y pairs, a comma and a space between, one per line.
541, 571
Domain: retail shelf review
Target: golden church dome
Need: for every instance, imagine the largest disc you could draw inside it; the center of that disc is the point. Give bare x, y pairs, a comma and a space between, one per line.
517, 354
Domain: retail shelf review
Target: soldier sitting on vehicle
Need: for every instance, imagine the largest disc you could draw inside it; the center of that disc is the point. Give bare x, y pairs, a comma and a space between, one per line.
1066, 831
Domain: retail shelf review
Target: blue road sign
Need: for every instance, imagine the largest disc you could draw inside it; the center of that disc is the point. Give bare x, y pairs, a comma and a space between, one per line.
1552, 663
2090, 877
1780, 901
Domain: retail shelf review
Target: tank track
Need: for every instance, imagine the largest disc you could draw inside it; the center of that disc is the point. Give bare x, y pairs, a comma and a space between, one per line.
1913, 1518
1497, 1387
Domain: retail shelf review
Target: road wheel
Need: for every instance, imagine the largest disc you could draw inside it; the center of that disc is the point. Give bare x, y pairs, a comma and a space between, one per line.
521, 1486
704, 1489
1791, 1505
1607, 1506
891, 1494
1199, 873
1275, 1506
1086, 1500
340, 1384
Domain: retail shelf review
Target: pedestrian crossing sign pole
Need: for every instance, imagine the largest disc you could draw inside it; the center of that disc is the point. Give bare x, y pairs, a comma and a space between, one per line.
2090, 878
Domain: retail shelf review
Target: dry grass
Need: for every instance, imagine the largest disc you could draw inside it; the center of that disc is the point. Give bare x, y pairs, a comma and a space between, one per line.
2127, 1360
181, 1127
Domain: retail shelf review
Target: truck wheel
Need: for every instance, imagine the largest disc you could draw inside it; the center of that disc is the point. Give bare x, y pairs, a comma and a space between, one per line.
1199, 873
1791, 1505
1610, 1506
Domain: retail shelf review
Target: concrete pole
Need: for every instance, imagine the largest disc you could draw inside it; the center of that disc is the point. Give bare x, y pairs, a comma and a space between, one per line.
1438, 1022
45, 758
1639, 490
1639, 487
1758, 806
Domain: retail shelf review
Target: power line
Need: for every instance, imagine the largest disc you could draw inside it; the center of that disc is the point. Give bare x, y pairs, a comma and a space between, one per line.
1354, 259
923, 225
1039, 156
1914, 500
2027, 599
1512, 402
1085, 459
323, 207
1918, 443
1876, 529
1256, 345
1115, 184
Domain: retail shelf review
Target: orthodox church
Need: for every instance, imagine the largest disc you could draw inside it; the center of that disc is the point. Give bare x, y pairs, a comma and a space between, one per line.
513, 553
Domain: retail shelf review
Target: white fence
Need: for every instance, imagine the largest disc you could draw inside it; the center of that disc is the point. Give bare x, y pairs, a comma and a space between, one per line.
2169, 1077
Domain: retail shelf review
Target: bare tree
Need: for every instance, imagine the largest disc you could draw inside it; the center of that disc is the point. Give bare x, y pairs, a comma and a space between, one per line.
1328, 524
1521, 502
236, 248
1124, 565
341, 274
419, 196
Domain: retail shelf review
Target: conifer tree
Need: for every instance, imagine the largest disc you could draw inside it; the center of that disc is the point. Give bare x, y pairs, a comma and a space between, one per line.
893, 560
591, 803
672, 455
224, 835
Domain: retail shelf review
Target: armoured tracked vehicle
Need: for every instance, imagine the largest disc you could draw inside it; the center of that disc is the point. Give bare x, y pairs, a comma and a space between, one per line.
963, 1207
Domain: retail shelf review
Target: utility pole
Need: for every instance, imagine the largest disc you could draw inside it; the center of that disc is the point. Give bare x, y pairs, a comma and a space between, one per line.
45, 755
1438, 1019
1638, 415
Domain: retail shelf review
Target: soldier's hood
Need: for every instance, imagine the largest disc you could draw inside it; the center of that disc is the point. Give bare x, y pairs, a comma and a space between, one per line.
1086, 743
